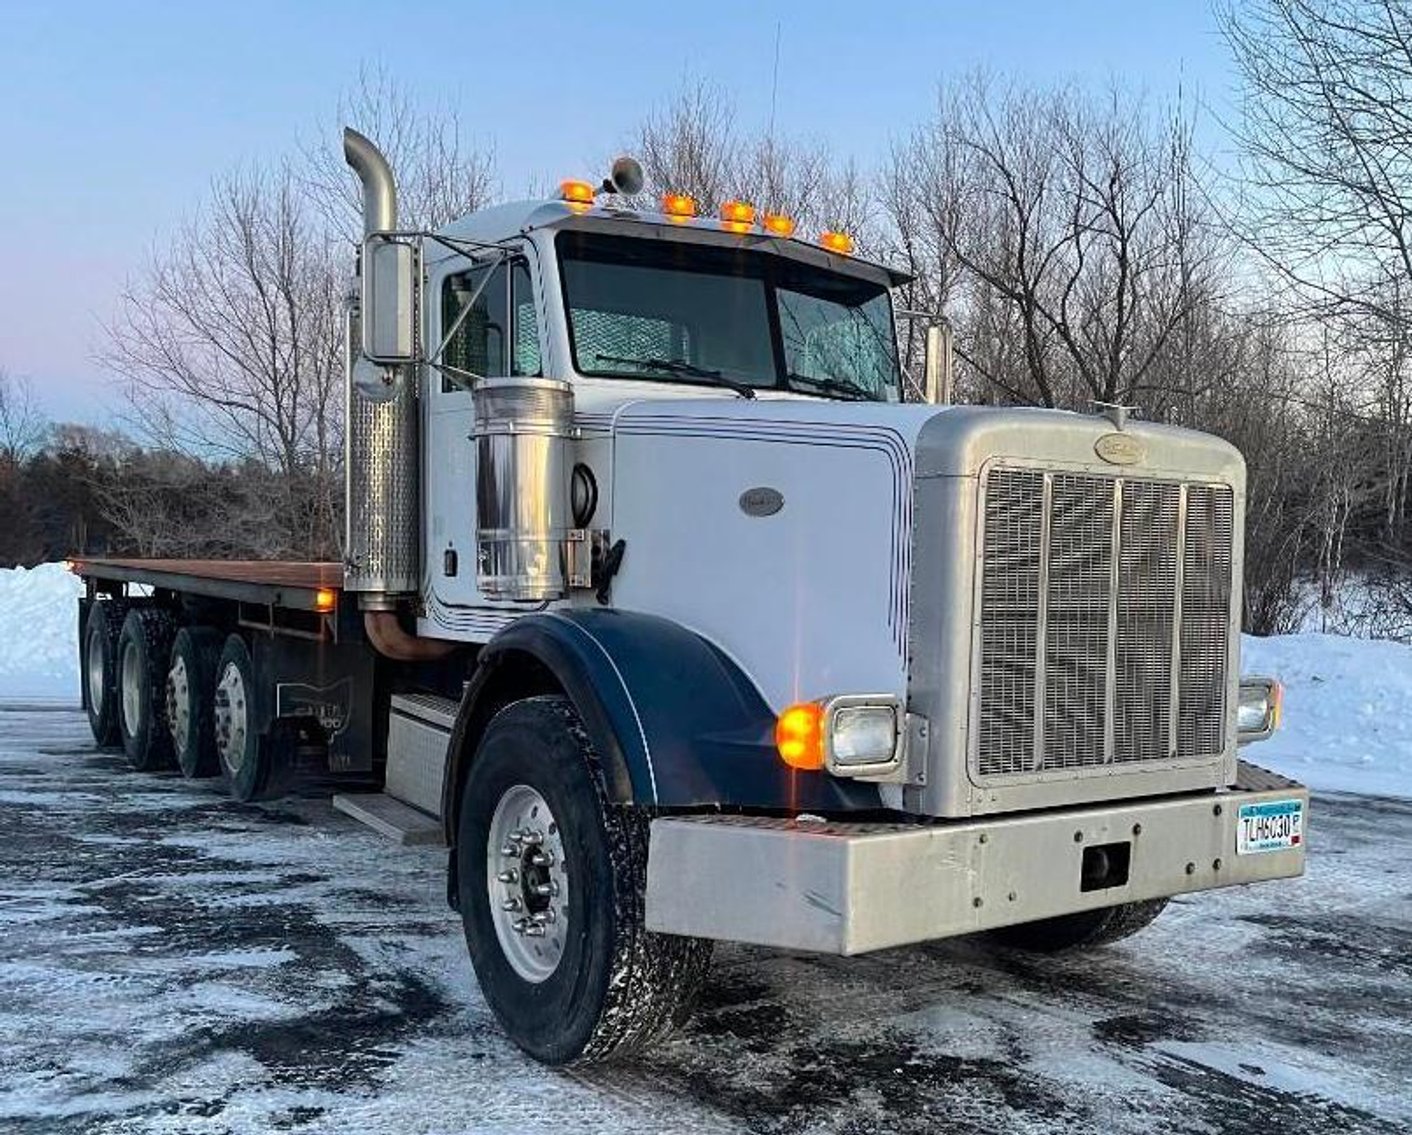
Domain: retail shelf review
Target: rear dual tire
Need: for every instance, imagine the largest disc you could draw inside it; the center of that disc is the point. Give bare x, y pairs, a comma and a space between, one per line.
255, 764
190, 690
100, 670
144, 649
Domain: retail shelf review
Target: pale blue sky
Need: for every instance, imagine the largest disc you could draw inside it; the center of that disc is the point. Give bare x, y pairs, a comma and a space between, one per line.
114, 116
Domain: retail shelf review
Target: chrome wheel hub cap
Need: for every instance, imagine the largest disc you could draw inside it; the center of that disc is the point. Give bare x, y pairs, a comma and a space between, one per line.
131, 689
178, 704
529, 889
231, 717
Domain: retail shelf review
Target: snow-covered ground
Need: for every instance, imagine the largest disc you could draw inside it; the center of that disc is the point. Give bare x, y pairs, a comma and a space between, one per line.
1347, 725
174, 963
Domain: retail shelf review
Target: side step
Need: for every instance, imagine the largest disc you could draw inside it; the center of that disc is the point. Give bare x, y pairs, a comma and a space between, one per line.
400, 822
409, 810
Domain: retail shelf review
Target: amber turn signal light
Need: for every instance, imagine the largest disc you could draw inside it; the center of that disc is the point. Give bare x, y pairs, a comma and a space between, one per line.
799, 735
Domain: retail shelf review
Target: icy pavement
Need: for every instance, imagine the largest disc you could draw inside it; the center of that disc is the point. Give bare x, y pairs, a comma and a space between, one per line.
173, 962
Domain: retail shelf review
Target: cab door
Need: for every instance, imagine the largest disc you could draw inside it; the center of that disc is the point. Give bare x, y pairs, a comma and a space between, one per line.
493, 307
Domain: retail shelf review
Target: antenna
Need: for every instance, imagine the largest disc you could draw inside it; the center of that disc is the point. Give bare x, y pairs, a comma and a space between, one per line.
774, 85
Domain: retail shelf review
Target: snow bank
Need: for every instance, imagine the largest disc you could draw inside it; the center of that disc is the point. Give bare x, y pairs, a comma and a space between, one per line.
39, 633
1347, 726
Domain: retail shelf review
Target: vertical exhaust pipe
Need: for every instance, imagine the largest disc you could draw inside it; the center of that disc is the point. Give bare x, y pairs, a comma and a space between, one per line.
382, 538
379, 188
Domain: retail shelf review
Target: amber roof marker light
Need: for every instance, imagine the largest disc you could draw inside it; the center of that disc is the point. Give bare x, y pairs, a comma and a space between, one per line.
678, 205
838, 242
777, 224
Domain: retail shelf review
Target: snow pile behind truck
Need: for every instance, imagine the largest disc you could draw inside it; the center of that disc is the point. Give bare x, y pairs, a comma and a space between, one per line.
1347, 726
39, 633
1348, 711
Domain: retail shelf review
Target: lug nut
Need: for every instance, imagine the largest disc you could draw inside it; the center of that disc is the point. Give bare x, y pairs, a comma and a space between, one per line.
546, 889
509, 875
510, 904
542, 859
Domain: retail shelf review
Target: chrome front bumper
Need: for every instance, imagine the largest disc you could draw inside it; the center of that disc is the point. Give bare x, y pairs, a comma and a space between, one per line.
844, 888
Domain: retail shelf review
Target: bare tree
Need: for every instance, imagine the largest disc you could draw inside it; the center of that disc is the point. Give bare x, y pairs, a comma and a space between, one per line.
441, 173
1062, 228
22, 424
694, 145
1326, 136
1325, 202
229, 340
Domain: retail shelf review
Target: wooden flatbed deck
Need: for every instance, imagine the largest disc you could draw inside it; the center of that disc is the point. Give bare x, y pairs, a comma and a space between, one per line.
278, 582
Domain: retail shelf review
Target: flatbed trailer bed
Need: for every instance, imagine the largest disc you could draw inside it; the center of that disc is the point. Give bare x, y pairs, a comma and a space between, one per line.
279, 583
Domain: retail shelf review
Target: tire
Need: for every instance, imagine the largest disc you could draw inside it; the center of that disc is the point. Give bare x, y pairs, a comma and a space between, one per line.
243, 755
191, 692
144, 653
603, 986
100, 669
1081, 930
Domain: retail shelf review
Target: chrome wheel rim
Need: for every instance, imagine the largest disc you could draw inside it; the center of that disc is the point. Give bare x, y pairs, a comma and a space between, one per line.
178, 702
527, 883
131, 689
231, 717
95, 671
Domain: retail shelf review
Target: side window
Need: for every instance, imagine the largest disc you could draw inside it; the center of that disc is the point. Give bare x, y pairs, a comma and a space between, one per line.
526, 356
500, 334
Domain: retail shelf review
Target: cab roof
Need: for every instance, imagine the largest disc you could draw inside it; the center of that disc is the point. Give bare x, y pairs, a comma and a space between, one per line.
521, 218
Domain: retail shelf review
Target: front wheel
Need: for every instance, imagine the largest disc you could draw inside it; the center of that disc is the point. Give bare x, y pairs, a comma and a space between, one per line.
1081, 930
551, 876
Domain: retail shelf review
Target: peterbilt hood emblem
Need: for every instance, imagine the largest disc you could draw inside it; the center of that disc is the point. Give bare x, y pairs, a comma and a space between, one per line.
1119, 449
761, 501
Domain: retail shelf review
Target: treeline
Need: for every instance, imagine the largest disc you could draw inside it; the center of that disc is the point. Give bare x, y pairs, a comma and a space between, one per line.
1079, 242
96, 492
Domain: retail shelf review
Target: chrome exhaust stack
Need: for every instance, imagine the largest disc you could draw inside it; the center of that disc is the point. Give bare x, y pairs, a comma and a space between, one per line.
382, 531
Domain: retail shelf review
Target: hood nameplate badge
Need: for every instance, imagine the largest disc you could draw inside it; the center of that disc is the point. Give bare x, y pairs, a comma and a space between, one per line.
1119, 449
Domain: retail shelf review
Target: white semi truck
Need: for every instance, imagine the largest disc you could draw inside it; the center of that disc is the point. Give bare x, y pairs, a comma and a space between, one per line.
667, 614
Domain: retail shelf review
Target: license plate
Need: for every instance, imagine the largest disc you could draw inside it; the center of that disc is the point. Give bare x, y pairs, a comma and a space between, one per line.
1272, 825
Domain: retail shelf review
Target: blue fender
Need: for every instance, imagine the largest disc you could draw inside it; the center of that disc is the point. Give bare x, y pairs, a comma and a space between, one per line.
675, 722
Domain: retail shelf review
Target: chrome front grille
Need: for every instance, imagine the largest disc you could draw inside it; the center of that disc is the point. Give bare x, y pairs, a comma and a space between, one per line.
1105, 621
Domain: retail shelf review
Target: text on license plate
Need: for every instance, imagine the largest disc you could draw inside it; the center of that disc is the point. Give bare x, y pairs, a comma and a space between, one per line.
1271, 825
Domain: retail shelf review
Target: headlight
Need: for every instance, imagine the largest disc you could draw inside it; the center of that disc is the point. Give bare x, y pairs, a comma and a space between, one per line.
1258, 714
861, 734
849, 735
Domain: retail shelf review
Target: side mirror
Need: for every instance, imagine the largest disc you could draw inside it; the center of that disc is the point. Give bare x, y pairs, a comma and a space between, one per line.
937, 372
391, 281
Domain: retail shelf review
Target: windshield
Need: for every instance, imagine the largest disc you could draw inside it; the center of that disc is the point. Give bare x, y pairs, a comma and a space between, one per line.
692, 313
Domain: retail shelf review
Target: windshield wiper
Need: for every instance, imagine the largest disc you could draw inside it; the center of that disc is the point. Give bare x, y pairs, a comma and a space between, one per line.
850, 390
679, 366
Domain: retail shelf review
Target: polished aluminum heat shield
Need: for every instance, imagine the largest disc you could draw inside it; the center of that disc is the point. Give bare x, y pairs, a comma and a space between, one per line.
523, 468
381, 483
